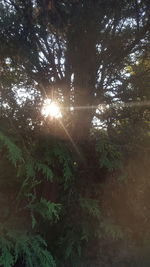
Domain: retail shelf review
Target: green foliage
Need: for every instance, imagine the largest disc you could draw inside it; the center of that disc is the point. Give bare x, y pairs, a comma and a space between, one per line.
32, 166
56, 155
14, 153
48, 210
64, 157
71, 245
30, 170
24, 247
45, 170
82, 53
91, 206
110, 154
112, 230
6, 258
77, 219
28, 249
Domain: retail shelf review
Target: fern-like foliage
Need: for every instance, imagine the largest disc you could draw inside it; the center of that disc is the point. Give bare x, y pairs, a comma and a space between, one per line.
62, 153
28, 249
14, 153
110, 155
112, 230
33, 165
91, 206
47, 172
48, 210
6, 257
77, 219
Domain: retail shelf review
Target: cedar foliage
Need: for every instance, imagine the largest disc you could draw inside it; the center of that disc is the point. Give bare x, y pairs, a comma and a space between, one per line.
57, 196
75, 215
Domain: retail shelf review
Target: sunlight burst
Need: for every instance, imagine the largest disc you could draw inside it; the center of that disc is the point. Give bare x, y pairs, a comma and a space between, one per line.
51, 109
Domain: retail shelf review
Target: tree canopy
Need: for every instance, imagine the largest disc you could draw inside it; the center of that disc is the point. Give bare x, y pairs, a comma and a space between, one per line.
77, 51
57, 176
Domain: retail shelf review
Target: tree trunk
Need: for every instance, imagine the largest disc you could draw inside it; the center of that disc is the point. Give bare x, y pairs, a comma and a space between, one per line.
82, 39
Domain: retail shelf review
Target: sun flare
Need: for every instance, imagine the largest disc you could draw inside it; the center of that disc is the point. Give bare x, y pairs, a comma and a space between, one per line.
51, 109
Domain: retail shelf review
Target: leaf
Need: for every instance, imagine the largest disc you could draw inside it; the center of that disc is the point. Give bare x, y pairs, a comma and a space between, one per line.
91, 206
45, 170
32, 249
34, 222
66, 160
48, 210
110, 155
6, 258
30, 172
14, 152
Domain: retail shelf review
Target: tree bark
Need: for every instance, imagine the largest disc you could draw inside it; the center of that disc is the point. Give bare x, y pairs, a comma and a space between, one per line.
82, 39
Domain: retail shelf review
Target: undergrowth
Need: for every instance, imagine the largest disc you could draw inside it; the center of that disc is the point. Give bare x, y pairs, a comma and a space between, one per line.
36, 231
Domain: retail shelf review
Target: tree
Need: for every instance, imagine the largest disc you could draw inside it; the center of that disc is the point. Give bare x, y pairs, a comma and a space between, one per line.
90, 55
75, 49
